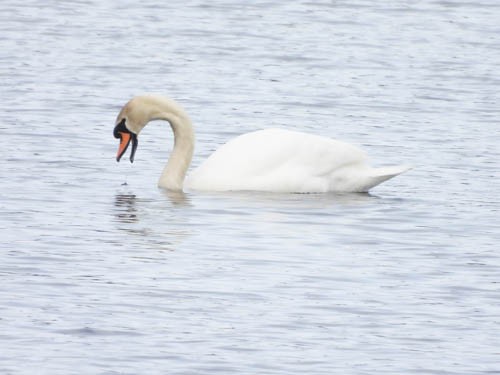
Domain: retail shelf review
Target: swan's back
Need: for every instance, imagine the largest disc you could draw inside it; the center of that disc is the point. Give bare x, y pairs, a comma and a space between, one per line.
284, 161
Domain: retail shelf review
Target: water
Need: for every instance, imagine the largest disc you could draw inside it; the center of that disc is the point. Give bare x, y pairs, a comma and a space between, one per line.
102, 273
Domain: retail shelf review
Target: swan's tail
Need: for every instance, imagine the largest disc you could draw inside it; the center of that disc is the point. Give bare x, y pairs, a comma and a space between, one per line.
379, 175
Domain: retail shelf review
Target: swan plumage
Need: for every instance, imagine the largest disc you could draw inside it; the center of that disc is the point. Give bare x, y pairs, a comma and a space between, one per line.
274, 160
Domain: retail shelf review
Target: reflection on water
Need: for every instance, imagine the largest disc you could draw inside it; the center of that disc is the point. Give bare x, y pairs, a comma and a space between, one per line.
126, 204
296, 202
177, 198
164, 222
126, 212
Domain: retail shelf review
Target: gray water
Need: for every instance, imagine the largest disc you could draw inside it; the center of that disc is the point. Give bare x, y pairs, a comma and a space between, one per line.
103, 273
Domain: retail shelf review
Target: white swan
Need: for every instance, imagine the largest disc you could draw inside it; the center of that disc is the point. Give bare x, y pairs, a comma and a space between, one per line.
274, 160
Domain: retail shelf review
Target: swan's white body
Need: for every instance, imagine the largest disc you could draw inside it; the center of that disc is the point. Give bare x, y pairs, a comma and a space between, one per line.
281, 160
273, 160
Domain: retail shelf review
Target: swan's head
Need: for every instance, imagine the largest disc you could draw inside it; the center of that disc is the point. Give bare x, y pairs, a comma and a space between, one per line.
132, 118
126, 136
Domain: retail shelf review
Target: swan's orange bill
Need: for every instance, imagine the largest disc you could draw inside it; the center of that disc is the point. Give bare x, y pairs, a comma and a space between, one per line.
124, 142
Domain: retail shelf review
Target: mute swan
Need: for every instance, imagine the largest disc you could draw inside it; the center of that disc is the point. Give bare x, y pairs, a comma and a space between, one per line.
274, 160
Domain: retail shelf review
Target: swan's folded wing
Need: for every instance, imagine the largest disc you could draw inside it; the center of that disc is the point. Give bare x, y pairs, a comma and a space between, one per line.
274, 160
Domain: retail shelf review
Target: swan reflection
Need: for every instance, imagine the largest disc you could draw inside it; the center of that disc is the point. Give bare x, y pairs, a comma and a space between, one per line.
160, 220
126, 209
177, 198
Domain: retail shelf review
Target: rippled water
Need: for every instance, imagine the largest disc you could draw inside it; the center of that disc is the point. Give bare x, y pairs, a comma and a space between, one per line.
102, 273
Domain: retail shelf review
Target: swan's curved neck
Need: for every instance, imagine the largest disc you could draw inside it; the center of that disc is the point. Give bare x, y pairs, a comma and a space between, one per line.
173, 174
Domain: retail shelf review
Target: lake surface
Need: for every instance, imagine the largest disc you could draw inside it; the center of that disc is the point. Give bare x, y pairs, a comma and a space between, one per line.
103, 273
